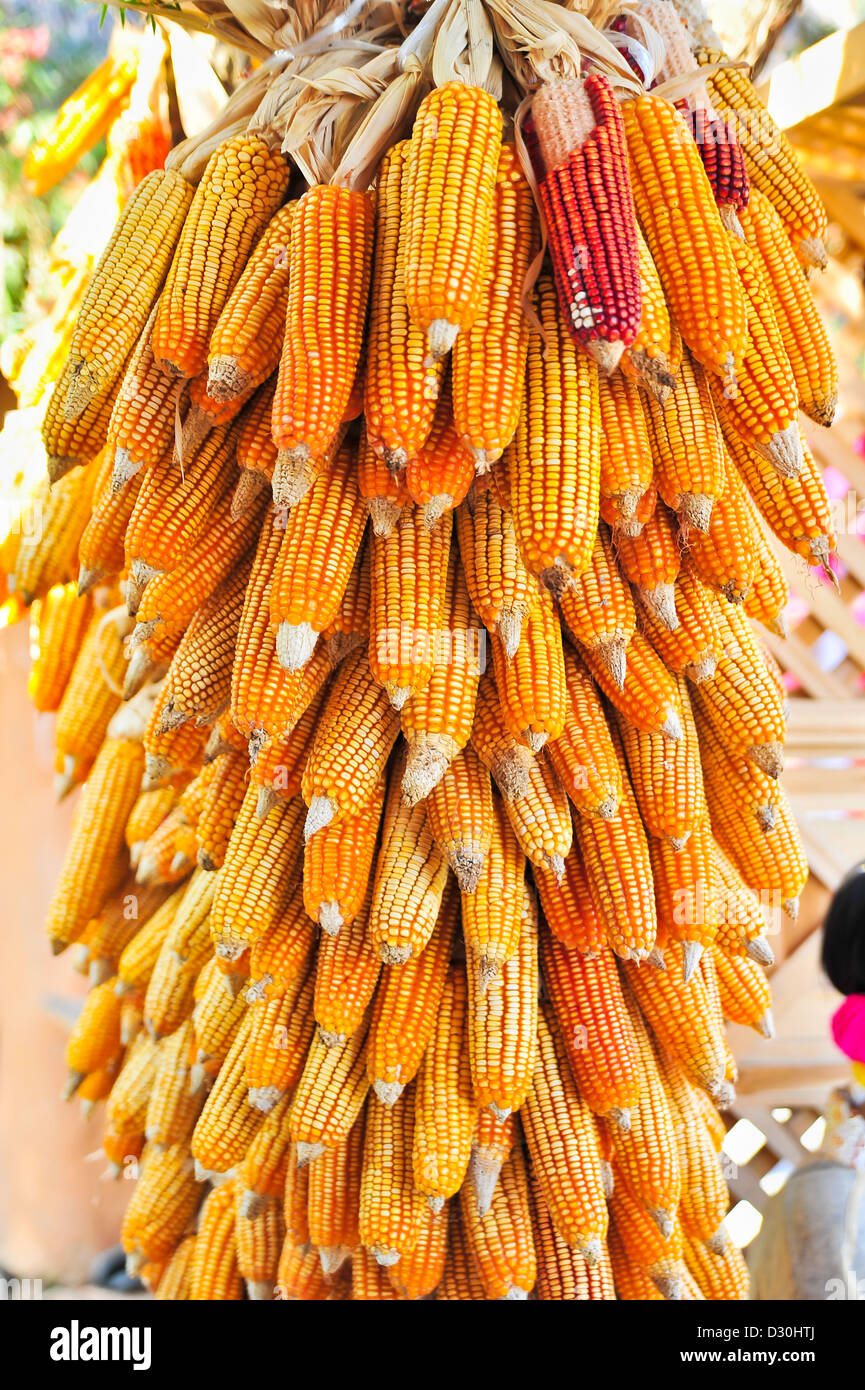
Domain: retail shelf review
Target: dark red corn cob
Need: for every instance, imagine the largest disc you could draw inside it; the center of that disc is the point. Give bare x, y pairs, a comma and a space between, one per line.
722, 158
582, 167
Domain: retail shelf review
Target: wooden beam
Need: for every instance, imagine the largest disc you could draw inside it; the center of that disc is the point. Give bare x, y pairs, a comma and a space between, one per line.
823, 602
827, 73
826, 728
794, 656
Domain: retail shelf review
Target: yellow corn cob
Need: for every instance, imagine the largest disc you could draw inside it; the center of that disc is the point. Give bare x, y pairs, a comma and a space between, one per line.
330, 1095
281, 1029
650, 561
242, 186
391, 1208
563, 1145
796, 510
531, 686
417, 1275
666, 776
568, 906
49, 555
259, 1244
64, 619
255, 880
769, 593
448, 209
95, 859
684, 892
82, 121
492, 1142
461, 1278
263, 1174
583, 755
124, 285
437, 719
802, 331
121, 920
772, 164
632, 1280
141, 429
680, 1018
726, 557
172, 1110
598, 608
171, 513
406, 1007
651, 359
489, 359
163, 1203
555, 459
401, 389
501, 1240
246, 340
347, 971
744, 990
687, 446
370, 1281
502, 1016
492, 915
741, 921
101, 547
563, 1275
185, 949
541, 820
409, 578
175, 1281
337, 864
646, 1159
459, 812
329, 267
220, 809
349, 628
648, 699
277, 769
333, 1197
214, 1274
227, 1124
718, 1276
444, 1105
683, 228
95, 1038
300, 1277
216, 1017
410, 878
500, 587
626, 455
695, 644
322, 537
742, 702
507, 759
704, 1198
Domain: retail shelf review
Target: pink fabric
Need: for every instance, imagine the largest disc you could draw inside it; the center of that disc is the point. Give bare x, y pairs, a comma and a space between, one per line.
848, 1027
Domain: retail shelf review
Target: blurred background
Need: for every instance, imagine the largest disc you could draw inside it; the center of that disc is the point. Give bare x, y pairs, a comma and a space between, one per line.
56, 1215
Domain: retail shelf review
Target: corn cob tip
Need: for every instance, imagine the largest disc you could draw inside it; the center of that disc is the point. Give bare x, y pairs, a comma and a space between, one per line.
295, 644
823, 408
727, 214
383, 514
386, 1258
260, 1290
321, 812
512, 771
180, 863
339, 644
612, 653
515, 1295
765, 816
678, 842
558, 577
83, 385
784, 451
696, 510
760, 951
435, 1204
330, 1039
655, 958
57, 467
778, 625
263, 1098
395, 955
510, 630
157, 770
606, 354
669, 1287
332, 1257
71, 1084
662, 602
791, 907
484, 1169
142, 573
147, 870
488, 971
769, 757
234, 981
500, 1114
556, 866
293, 476
265, 801
204, 861
330, 918
88, 579
533, 739
81, 958
717, 1242
87, 1108
722, 1092
435, 508
591, 1250
98, 971
225, 379
766, 1025
608, 1181
195, 429
307, 1152
388, 1092
620, 1116
609, 809
125, 469
691, 953
427, 762
64, 781
398, 694
468, 865
654, 373
702, 670
250, 486
135, 1262
440, 337
172, 718
672, 726
813, 250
